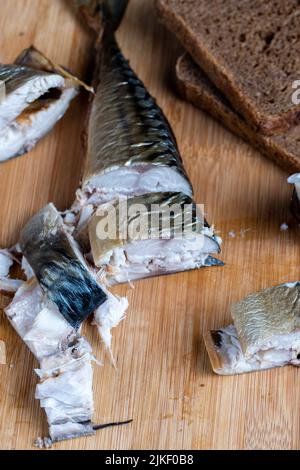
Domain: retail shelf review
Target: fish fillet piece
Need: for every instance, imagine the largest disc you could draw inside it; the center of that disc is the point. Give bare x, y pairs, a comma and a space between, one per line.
65, 388
295, 180
60, 267
6, 262
130, 146
165, 235
265, 334
33, 97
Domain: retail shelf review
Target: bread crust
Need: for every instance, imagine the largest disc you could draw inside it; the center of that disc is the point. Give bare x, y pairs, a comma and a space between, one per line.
220, 73
194, 86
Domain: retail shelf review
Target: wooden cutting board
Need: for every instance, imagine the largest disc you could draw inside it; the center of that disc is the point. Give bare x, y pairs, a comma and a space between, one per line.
164, 380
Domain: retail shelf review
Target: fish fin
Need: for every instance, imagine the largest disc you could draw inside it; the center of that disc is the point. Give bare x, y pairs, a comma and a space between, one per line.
98, 13
35, 59
211, 261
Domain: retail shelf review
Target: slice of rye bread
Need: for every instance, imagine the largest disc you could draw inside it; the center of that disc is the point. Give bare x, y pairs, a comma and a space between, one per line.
195, 86
248, 48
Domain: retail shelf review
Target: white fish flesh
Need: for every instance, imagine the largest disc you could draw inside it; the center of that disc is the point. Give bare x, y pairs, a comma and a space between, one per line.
265, 334
295, 180
65, 388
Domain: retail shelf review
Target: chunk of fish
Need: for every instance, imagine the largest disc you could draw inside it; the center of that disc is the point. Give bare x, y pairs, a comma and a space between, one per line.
295, 180
176, 242
34, 95
6, 262
47, 312
60, 267
265, 334
65, 388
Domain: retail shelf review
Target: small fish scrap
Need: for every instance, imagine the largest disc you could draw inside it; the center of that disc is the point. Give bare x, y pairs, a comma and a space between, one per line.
265, 333
34, 95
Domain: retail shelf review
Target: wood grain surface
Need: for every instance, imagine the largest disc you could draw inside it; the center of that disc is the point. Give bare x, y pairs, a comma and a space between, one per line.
164, 380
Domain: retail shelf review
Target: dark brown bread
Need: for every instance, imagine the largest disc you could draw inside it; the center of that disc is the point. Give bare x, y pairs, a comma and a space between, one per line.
195, 87
248, 48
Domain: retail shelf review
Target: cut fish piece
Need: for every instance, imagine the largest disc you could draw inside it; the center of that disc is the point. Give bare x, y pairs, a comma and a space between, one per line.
65, 391
34, 96
130, 146
65, 388
265, 334
295, 180
167, 235
131, 151
60, 267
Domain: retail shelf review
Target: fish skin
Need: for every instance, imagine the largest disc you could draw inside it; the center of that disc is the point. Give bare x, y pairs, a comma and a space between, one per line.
57, 266
261, 315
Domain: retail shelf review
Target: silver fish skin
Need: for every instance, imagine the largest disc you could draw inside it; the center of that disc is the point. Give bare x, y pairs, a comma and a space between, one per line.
178, 241
34, 95
265, 334
59, 266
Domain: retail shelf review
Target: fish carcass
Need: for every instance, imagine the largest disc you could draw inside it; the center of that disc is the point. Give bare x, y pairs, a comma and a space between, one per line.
131, 151
47, 312
265, 333
34, 95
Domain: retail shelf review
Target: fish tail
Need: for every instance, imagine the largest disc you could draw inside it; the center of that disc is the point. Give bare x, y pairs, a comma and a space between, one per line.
102, 14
